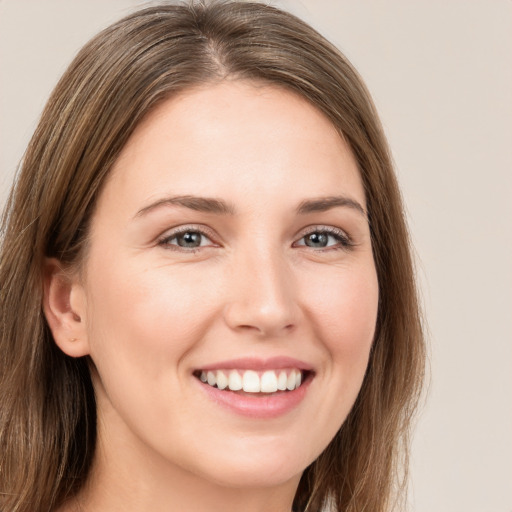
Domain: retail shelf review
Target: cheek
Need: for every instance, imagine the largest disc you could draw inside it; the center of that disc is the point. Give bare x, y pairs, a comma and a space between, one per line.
344, 304
140, 331
148, 321
342, 309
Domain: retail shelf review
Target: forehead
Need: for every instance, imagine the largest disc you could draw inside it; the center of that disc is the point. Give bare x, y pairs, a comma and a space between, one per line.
236, 138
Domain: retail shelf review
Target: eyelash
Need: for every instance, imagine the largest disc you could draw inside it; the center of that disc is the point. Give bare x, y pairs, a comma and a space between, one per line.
165, 241
343, 240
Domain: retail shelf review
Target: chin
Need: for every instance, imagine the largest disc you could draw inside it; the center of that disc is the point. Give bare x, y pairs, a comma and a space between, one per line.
254, 476
257, 468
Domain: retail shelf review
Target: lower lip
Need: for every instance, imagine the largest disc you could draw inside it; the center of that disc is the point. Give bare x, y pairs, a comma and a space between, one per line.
257, 406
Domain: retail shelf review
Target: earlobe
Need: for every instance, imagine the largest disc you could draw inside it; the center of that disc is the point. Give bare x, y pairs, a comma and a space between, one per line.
64, 307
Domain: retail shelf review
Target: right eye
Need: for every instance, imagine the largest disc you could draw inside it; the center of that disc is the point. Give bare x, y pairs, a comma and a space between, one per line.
186, 239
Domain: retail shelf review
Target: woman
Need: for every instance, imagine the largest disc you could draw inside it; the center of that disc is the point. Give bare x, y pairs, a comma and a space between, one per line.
208, 300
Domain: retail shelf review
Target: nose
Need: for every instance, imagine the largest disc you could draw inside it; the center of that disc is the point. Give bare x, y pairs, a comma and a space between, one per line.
262, 297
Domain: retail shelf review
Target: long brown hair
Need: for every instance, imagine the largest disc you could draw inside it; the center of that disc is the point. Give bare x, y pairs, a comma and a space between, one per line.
47, 405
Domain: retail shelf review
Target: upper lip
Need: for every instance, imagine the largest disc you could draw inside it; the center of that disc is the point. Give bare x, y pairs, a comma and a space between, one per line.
258, 364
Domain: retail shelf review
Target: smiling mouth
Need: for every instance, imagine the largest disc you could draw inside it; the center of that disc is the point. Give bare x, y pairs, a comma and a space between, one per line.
254, 382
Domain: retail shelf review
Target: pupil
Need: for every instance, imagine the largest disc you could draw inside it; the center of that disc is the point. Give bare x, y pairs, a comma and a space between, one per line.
317, 240
189, 239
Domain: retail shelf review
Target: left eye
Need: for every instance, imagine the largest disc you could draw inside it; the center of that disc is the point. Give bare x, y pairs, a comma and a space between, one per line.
323, 239
187, 240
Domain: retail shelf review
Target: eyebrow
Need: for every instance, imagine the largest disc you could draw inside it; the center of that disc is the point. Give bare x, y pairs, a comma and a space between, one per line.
200, 204
220, 207
323, 204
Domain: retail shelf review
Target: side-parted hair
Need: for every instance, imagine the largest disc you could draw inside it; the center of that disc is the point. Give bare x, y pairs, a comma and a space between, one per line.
47, 403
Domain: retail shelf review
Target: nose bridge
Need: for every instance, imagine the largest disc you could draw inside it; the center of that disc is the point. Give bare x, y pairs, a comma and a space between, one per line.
262, 291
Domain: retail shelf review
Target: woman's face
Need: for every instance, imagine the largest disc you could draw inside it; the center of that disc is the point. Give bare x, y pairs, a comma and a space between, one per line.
229, 243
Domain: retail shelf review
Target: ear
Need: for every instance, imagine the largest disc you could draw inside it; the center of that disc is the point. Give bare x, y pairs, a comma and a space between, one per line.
64, 305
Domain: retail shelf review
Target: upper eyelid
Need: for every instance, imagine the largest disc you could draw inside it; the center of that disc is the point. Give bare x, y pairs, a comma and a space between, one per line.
321, 227
199, 228
324, 229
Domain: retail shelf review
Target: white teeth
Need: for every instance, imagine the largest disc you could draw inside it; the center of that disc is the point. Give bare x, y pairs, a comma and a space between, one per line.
251, 381
235, 381
222, 380
268, 382
281, 381
290, 381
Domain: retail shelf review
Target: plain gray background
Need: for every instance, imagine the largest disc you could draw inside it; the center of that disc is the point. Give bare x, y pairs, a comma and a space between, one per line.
441, 76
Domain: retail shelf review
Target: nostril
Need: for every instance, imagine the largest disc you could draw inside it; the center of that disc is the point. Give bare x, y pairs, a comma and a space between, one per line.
265, 329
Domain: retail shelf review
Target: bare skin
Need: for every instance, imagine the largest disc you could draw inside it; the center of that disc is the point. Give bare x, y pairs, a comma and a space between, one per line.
232, 226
